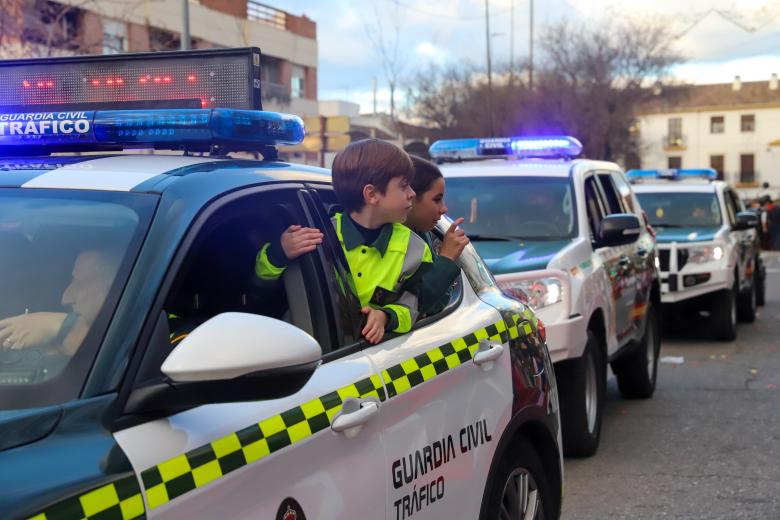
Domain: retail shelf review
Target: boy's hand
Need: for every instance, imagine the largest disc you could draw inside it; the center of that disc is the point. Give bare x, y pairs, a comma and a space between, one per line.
297, 240
454, 241
376, 321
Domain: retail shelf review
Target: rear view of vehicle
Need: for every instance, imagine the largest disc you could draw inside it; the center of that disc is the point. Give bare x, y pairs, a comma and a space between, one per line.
566, 236
708, 254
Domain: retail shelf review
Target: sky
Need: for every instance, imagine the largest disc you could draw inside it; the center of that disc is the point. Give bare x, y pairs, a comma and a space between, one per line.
720, 39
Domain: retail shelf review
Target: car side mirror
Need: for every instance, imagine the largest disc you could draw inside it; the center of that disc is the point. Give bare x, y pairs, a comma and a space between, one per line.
229, 358
618, 230
746, 220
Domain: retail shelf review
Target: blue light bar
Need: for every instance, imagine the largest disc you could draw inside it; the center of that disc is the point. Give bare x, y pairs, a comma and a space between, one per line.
673, 174
475, 148
191, 129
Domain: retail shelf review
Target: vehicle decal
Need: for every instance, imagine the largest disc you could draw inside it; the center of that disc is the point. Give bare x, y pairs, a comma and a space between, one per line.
120, 500
205, 464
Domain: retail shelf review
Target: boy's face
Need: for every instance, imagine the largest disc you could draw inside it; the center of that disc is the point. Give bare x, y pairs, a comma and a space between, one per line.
395, 204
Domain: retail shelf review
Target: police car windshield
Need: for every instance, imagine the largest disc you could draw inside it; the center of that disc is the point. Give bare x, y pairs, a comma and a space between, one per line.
500, 208
681, 210
65, 258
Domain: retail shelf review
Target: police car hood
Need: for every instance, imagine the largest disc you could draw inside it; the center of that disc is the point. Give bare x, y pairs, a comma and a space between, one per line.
685, 234
19, 427
516, 256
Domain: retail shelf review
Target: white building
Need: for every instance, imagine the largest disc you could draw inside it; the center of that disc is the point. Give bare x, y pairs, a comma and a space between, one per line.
733, 128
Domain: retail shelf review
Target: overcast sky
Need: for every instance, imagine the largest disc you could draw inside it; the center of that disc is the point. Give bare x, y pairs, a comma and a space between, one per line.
720, 38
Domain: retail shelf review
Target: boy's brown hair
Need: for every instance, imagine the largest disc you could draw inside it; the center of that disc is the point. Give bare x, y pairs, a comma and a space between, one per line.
369, 161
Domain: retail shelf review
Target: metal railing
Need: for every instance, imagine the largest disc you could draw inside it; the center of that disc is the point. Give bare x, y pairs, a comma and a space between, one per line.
266, 14
674, 141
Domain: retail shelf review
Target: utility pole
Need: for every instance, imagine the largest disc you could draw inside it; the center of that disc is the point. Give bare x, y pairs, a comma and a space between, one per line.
511, 40
489, 74
531, 49
185, 20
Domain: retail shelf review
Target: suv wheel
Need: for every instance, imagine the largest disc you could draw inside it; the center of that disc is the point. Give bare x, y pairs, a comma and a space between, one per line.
520, 489
637, 371
723, 317
581, 384
748, 303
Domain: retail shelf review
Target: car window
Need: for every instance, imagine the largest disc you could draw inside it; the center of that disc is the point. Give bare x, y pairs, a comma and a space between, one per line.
679, 210
624, 189
733, 206
611, 196
491, 206
65, 257
594, 205
217, 273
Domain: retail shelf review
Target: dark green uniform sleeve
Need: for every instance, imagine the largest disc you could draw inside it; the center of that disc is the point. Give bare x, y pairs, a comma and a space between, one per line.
434, 285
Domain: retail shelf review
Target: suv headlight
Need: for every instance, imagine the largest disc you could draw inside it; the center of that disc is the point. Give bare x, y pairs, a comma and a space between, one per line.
536, 293
702, 255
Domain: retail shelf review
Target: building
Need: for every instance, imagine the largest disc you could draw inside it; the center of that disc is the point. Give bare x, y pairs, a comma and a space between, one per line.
732, 127
31, 28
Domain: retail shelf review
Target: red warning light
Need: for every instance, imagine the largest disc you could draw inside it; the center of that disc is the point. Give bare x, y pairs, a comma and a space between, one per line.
203, 103
120, 81
95, 82
109, 82
192, 77
40, 84
167, 79
26, 84
143, 79
50, 84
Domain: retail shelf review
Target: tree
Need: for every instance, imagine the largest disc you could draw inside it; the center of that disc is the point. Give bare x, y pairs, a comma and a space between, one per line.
387, 48
589, 84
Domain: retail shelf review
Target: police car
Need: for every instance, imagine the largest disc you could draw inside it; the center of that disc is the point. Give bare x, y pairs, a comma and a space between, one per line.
566, 236
146, 371
709, 254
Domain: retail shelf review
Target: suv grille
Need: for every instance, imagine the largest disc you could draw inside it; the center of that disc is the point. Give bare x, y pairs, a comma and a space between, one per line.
663, 258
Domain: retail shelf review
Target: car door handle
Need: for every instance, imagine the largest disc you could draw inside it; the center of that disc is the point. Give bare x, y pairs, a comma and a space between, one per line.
488, 352
353, 415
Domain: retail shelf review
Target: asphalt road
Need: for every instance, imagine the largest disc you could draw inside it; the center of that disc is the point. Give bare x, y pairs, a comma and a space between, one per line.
707, 445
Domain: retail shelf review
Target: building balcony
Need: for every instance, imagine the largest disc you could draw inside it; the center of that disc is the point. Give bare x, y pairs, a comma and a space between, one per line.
674, 143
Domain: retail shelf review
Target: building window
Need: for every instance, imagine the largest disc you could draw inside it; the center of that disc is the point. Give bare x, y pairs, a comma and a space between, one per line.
114, 36
675, 162
675, 129
717, 125
748, 123
716, 163
747, 172
298, 82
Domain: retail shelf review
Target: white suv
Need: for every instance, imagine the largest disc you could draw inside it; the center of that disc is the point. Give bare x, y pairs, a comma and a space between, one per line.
568, 237
709, 255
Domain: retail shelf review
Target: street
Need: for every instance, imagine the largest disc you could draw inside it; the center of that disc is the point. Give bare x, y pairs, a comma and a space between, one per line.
707, 445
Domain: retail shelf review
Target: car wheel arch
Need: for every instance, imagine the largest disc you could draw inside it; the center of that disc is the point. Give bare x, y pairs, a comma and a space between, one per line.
528, 425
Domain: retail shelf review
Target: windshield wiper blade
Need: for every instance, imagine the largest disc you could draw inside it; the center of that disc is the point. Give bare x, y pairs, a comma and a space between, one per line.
667, 225
478, 238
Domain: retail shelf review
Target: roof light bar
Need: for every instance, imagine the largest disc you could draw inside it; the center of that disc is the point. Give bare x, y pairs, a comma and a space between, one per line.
175, 129
475, 148
673, 174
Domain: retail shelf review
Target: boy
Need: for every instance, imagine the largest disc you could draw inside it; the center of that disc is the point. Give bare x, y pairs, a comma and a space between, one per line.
371, 180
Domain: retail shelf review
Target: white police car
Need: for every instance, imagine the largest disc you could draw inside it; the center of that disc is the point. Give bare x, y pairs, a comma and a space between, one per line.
145, 371
709, 254
567, 236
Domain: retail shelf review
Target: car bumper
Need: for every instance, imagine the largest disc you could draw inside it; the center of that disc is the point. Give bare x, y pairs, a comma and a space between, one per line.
566, 339
678, 287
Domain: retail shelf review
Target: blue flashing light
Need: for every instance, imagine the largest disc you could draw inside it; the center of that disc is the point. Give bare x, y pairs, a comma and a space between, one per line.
673, 174
232, 129
475, 148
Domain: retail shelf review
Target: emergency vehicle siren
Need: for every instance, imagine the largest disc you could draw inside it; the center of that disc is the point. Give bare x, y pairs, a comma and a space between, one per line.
672, 174
204, 100
515, 147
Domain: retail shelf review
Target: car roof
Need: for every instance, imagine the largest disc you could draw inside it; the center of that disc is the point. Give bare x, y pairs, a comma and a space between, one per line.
677, 187
523, 167
148, 173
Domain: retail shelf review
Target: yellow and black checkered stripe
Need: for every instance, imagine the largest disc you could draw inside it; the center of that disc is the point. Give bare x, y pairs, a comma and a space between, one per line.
216, 459
119, 500
200, 466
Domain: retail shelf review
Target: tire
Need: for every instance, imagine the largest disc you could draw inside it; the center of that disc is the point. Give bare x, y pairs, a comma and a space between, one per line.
747, 304
723, 316
520, 468
637, 371
760, 283
581, 384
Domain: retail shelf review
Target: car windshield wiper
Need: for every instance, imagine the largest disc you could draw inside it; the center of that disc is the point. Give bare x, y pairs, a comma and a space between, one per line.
485, 238
667, 225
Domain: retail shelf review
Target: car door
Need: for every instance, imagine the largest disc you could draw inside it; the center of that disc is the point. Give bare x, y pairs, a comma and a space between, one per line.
278, 458
614, 259
442, 409
744, 240
636, 271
